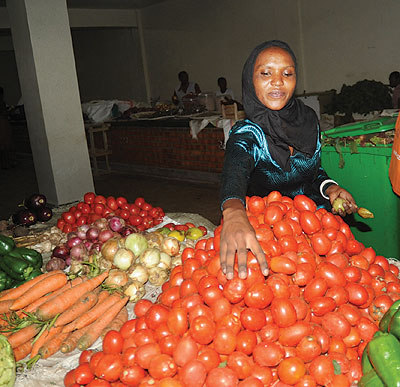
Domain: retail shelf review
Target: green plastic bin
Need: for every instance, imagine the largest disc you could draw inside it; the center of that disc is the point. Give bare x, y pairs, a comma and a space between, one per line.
365, 175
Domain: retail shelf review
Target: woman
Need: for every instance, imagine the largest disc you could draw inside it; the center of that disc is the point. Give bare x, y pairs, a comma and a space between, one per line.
185, 88
277, 148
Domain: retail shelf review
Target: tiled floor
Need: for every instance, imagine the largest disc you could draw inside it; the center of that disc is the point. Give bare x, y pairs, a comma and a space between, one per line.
171, 195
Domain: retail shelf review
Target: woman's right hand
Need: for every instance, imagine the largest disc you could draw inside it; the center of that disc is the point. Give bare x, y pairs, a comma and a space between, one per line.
237, 237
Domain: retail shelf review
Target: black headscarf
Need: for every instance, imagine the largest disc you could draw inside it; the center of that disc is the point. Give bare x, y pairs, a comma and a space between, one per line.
294, 125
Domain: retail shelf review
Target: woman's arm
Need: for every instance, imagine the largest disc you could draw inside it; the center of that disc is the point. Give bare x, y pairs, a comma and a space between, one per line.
238, 237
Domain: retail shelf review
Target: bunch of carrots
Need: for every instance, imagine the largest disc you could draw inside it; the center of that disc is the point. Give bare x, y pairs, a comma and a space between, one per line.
51, 313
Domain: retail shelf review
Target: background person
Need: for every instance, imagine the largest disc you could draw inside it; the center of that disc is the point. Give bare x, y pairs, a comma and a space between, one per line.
223, 91
277, 148
185, 88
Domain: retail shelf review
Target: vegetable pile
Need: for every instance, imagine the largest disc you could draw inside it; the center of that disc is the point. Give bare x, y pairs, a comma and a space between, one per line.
17, 264
51, 313
306, 324
139, 214
35, 209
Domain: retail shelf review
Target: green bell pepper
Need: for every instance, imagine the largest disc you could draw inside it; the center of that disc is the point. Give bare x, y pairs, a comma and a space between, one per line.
5, 281
394, 324
6, 244
384, 323
32, 256
384, 354
370, 379
16, 268
365, 363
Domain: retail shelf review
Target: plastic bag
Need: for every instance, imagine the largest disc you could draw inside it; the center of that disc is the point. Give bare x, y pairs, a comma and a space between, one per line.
394, 167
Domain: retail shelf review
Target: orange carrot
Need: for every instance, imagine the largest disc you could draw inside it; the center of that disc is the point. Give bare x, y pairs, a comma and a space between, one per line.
23, 350
21, 289
82, 305
70, 284
72, 340
120, 319
63, 301
46, 285
46, 335
53, 345
23, 335
94, 332
93, 314
5, 306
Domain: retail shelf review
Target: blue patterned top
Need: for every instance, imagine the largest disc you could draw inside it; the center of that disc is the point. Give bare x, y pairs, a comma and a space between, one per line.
250, 170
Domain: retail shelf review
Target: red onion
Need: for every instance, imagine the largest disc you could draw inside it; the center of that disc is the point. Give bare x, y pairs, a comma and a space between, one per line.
68, 261
88, 245
127, 230
61, 251
92, 234
74, 241
116, 223
78, 252
105, 235
101, 224
96, 248
82, 230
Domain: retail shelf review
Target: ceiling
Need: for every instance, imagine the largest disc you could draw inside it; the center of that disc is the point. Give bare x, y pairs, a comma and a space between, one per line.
105, 4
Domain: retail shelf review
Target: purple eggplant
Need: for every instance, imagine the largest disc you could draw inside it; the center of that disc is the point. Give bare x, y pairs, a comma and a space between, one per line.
24, 217
35, 201
44, 214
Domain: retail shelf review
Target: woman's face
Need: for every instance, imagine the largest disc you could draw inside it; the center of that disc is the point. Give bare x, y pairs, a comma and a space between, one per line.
274, 77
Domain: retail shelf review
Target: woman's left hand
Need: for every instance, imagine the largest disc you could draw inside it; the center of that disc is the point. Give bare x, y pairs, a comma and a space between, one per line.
336, 191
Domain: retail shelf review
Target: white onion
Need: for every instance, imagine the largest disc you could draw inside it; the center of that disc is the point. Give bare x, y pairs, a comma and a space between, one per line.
138, 273
109, 249
117, 278
157, 276
137, 243
170, 246
135, 291
150, 258
165, 261
123, 259
176, 261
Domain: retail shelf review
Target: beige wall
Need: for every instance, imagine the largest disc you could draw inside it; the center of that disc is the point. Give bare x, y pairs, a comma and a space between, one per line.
336, 42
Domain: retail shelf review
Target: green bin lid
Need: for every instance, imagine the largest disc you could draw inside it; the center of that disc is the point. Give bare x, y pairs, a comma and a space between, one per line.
382, 124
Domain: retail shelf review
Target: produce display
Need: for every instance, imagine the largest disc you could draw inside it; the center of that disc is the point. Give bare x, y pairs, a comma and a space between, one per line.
306, 324
34, 210
17, 264
139, 214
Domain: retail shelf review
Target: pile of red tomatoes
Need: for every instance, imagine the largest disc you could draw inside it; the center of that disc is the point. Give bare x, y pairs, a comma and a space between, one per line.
304, 325
139, 214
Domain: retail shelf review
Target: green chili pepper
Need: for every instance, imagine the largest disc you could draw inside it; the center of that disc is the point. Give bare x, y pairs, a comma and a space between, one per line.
16, 268
6, 244
5, 281
370, 379
32, 256
384, 323
384, 354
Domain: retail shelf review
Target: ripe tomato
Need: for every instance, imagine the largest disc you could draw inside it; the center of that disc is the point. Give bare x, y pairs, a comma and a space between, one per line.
113, 342
268, 355
336, 324
366, 328
259, 295
162, 366
321, 243
304, 274
321, 369
309, 222
218, 377
322, 305
185, 351
68, 217
241, 364
210, 358
145, 353
177, 321
220, 308
331, 273
282, 264
132, 375
272, 215
283, 312
251, 381
193, 373
246, 341
316, 288
109, 367
264, 374
358, 295
85, 356
304, 203
291, 370
168, 344
156, 315
308, 349
83, 374
339, 295
224, 341
88, 197
256, 205
234, 290
301, 307
202, 329
291, 336
252, 319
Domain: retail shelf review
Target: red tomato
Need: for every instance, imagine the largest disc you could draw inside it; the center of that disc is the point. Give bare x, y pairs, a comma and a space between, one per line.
234, 290
304, 203
291, 336
259, 295
129, 356
202, 329
218, 377
162, 366
60, 223
304, 274
83, 374
88, 197
282, 264
209, 357
331, 273
132, 375
252, 319
339, 295
145, 353
193, 373
113, 342
316, 288
109, 367
168, 344
185, 351
67, 228
291, 370
309, 222
336, 324
256, 205
321, 369
177, 321
224, 341
69, 378
272, 215
246, 341
69, 217
358, 295
283, 312
367, 328
321, 243
308, 349
268, 355
322, 305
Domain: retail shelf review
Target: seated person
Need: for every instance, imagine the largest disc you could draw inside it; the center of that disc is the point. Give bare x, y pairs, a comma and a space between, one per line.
394, 81
223, 91
184, 88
